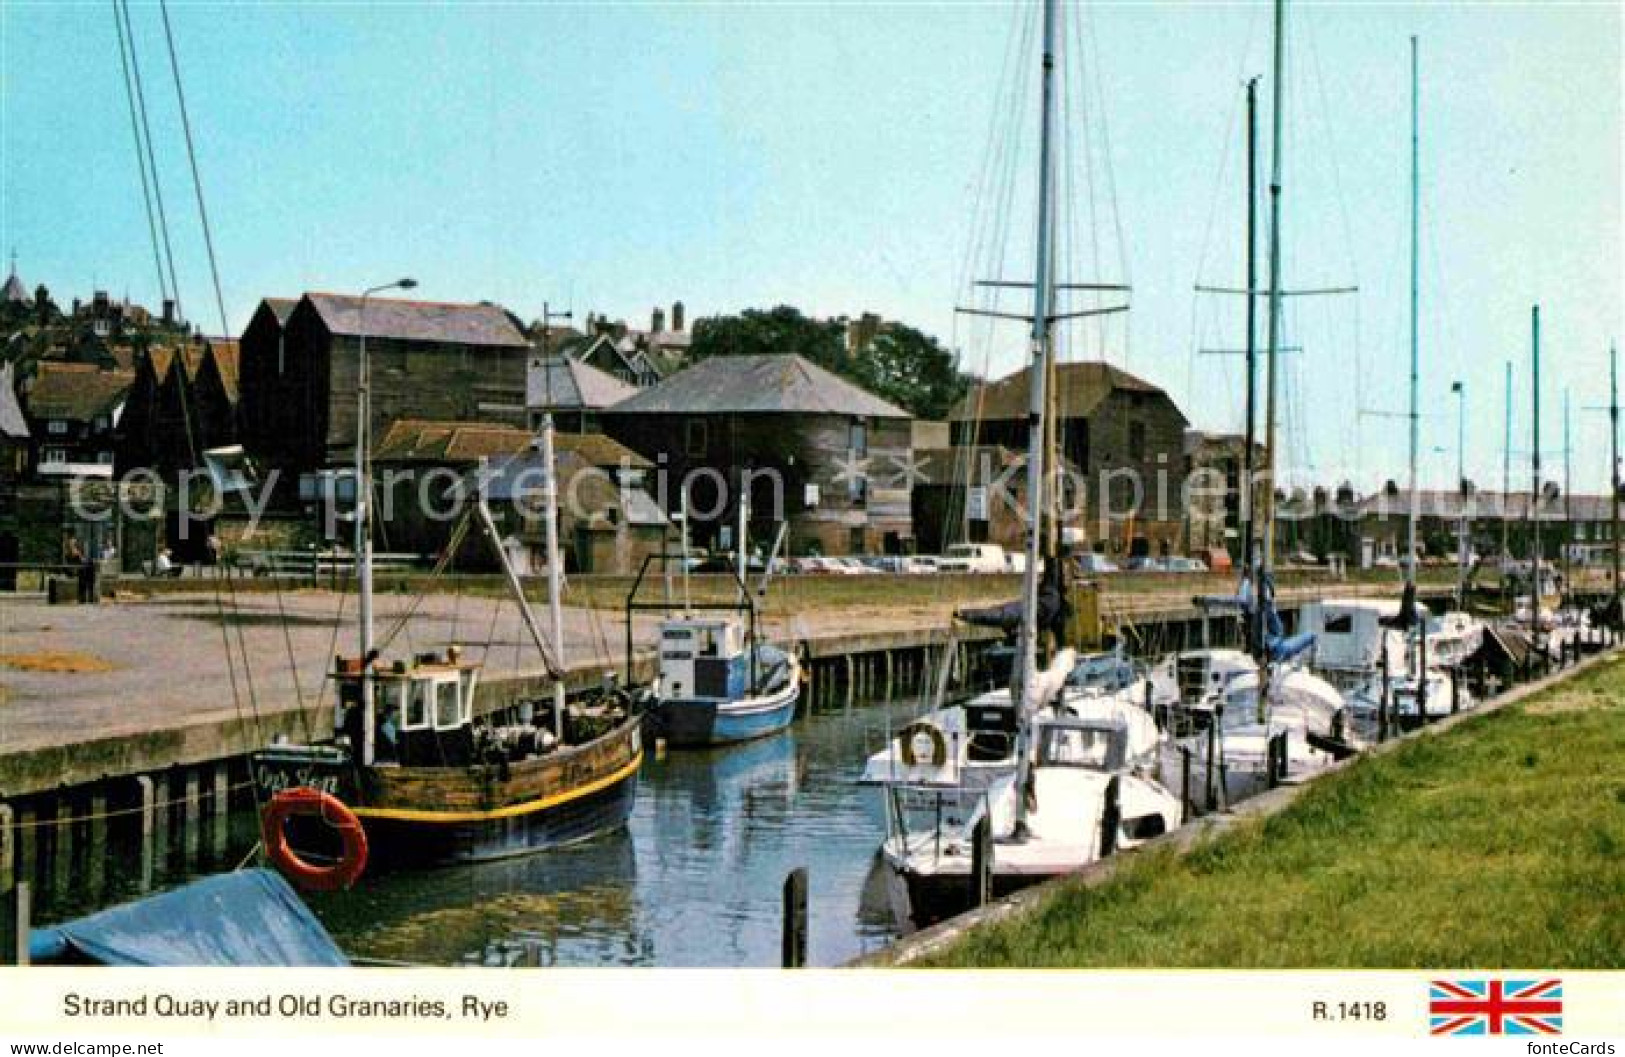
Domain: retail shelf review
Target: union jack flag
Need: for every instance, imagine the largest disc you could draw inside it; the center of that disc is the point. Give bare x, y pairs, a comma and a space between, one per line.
1496, 1007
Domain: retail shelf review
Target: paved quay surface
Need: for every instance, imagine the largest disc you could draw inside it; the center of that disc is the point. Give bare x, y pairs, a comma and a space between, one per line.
145, 670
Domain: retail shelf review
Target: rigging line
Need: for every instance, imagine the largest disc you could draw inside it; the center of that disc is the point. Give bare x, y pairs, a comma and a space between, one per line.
140, 156
293, 661
152, 161
1111, 179
191, 156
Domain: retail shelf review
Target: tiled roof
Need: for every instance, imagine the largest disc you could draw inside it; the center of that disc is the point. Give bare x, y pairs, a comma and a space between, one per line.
418, 440
282, 308
761, 384
451, 324
558, 381
1082, 387
519, 477
595, 449
77, 392
227, 357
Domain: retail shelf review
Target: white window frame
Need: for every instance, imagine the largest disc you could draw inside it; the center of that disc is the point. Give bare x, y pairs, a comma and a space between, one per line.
57, 426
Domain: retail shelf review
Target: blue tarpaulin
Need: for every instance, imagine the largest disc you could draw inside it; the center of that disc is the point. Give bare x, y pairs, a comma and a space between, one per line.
251, 917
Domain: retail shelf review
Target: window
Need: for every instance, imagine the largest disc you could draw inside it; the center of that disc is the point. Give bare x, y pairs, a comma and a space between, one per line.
447, 711
858, 439
101, 424
696, 440
390, 693
417, 707
105, 458
1136, 441
56, 425
54, 456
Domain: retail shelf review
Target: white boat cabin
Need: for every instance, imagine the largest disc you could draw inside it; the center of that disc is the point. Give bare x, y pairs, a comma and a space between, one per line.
423, 710
703, 658
1349, 635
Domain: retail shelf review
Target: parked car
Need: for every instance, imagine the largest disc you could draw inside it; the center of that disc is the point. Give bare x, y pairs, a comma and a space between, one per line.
850, 566
1095, 563
1184, 565
981, 558
1144, 563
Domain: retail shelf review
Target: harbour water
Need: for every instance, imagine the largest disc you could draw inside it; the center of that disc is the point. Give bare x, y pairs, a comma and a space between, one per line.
694, 880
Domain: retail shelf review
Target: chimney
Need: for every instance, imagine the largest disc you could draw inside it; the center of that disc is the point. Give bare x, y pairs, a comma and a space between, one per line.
169, 311
677, 316
657, 320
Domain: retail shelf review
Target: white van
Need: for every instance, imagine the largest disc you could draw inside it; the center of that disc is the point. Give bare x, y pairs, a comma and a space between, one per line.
981, 558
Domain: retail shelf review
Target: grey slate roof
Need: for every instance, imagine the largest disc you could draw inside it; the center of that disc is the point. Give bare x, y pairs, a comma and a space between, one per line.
282, 308
765, 384
418, 320
13, 425
558, 381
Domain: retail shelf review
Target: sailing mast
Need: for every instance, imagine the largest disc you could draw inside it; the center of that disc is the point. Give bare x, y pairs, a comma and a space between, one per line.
1249, 556
1415, 416
1506, 488
1568, 491
1038, 370
1613, 445
1273, 341
1534, 454
1026, 667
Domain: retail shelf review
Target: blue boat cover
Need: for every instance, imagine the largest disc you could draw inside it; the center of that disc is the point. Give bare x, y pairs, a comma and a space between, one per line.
250, 917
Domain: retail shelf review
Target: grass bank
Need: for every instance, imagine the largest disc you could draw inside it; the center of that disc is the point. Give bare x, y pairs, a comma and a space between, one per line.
1499, 844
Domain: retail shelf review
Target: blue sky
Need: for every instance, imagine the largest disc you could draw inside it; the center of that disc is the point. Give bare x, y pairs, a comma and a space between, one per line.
615, 157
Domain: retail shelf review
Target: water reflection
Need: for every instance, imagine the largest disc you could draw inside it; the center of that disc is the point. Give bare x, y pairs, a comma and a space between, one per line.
695, 879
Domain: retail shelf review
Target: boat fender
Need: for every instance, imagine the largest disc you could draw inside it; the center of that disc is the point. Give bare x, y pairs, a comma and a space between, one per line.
919, 736
305, 801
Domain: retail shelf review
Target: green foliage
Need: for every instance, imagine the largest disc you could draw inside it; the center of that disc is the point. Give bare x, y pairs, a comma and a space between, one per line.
902, 365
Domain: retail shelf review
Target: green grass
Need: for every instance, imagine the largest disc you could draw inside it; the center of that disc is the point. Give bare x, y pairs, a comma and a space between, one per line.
1500, 844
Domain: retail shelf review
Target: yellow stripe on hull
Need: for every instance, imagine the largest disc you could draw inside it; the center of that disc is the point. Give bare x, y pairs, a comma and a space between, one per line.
406, 814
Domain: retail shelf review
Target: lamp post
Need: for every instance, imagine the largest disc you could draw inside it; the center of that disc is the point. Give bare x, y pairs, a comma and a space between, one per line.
363, 515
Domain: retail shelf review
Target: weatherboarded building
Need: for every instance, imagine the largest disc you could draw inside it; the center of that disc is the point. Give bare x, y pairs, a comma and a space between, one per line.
299, 366
1125, 437
818, 452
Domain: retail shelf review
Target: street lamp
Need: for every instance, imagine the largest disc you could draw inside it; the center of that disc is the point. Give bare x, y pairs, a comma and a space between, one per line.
363, 512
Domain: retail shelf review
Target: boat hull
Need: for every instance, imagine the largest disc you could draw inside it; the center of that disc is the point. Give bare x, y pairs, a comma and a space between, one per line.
696, 724
439, 816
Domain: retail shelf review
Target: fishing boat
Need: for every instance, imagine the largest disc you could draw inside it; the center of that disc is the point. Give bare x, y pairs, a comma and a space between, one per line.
717, 681
411, 776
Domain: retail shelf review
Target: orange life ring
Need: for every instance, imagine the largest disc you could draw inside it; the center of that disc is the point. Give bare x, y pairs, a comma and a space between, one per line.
307, 801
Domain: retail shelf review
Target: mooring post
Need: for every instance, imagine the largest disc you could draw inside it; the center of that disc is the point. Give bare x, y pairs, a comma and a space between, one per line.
8, 848
16, 914
1212, 752
793, 949
1111, 817
190, 823
1186, 808
160, 823
891, 673
981, 862
1455, 691
851, 678
220, 809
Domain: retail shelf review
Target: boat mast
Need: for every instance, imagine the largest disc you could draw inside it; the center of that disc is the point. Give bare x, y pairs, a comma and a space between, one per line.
1506, 479
550, 510
1415, 416
1273, 343
1026, 668
1534, 494
1249, 556
1613, 444
1038, 370
1568, 507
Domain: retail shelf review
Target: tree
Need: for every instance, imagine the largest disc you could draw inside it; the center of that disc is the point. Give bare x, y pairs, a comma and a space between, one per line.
780, 330
912, 370
902, 365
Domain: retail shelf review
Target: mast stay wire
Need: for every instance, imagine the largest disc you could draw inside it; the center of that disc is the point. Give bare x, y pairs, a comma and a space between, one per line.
140, 152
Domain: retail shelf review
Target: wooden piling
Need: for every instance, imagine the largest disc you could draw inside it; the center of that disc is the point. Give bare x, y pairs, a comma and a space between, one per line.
160, 824
96, 857
1111, 816
1212, 753
851, 680
891, 672
220, 810
1186, 808
191, 821
981, 862
62, 846
27, 844
8, 848
16, 920
148, 812
793, 948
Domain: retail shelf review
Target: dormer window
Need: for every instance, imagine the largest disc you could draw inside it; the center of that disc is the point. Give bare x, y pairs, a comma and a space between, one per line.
57, 426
